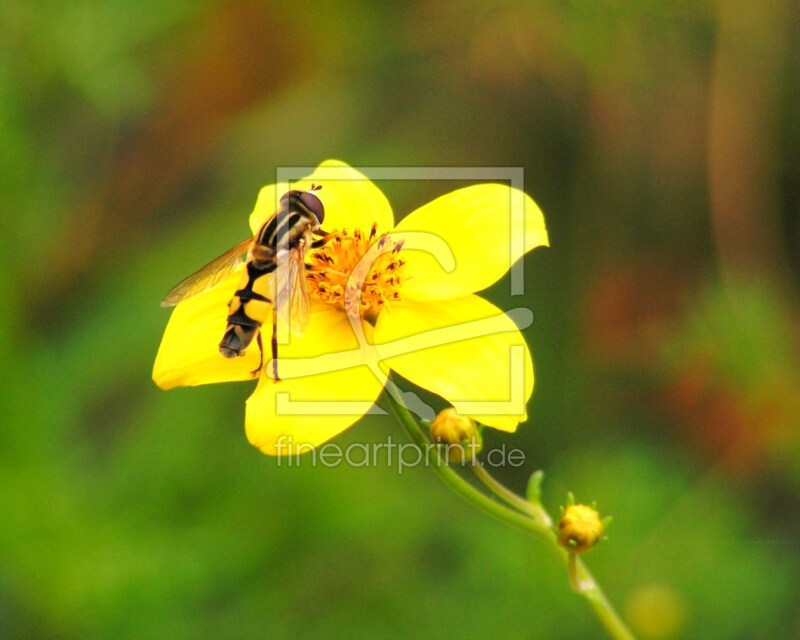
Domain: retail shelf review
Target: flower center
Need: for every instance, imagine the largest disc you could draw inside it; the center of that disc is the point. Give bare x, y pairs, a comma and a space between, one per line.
336, 271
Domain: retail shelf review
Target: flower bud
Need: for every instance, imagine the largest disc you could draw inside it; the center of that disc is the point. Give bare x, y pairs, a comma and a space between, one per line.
579, 528
459, 433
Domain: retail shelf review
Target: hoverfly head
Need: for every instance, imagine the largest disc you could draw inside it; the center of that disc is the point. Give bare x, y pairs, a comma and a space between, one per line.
310, 201
304, 201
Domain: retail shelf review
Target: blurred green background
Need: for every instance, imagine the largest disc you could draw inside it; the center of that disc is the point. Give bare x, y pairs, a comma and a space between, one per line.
662, 141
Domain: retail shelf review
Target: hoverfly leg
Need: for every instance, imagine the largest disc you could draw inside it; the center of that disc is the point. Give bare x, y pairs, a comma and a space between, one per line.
255, 372
275, 345
324, 239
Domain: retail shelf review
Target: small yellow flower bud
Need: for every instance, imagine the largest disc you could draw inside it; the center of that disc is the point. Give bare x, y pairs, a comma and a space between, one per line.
459, 433
580, 528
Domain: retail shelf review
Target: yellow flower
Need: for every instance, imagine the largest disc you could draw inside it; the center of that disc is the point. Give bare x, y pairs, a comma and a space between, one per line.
408, 306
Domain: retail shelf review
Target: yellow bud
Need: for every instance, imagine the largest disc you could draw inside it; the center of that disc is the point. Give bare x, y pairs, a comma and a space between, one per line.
459, 433
580, 528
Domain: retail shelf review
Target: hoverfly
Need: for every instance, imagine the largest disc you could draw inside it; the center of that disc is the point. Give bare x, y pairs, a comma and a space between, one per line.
274, 276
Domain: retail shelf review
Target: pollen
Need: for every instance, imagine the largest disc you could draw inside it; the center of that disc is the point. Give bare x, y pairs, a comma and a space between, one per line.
335, 271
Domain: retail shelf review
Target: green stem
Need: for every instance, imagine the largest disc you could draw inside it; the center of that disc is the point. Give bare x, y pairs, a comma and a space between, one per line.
521, 514
461, 486
599, 602
535, 511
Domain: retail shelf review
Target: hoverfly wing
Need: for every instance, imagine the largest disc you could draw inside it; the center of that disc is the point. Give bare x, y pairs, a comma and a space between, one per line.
299, 307
291, 294
206, 277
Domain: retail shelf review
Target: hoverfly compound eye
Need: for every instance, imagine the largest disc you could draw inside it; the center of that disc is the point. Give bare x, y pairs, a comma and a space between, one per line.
311, 201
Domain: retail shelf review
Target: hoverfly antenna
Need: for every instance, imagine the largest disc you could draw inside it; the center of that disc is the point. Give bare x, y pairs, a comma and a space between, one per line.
315, 187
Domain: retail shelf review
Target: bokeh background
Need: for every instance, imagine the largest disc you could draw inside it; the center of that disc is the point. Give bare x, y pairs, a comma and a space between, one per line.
662, 141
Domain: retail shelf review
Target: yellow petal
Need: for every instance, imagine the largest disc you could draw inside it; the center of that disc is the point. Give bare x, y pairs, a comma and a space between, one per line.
352, 201
189, 352
335, 388
488, 227
465, 350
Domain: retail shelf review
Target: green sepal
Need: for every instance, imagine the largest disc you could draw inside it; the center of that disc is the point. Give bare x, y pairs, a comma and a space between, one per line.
534, 491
